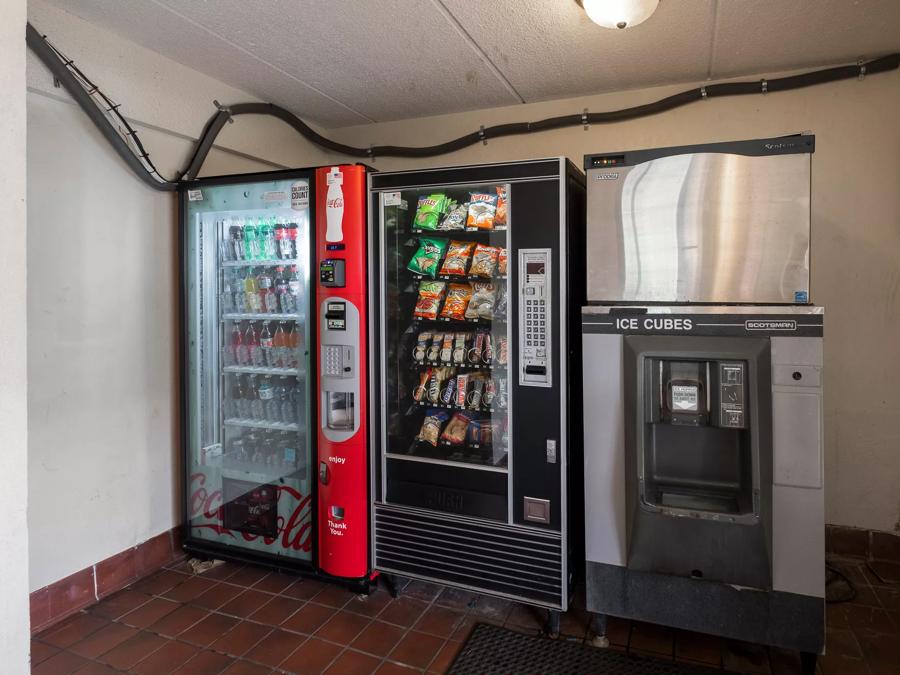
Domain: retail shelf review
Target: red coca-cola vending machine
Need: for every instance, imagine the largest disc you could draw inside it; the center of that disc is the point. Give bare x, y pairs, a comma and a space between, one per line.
274, 369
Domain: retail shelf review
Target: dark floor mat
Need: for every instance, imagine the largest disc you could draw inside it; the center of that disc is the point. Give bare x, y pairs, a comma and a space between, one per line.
491, 649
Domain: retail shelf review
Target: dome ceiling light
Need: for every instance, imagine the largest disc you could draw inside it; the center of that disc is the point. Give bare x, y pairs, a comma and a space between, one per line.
618, 13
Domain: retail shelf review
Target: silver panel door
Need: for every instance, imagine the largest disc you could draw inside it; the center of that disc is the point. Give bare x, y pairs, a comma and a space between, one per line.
703, 227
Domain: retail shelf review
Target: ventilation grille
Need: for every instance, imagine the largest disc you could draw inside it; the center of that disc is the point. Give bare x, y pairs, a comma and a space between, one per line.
513, 562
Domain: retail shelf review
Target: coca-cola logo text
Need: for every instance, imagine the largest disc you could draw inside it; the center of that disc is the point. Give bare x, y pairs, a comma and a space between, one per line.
294, 531
336, 203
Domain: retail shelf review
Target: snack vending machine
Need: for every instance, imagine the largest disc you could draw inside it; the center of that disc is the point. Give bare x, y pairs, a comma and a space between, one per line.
274, 369
476, 437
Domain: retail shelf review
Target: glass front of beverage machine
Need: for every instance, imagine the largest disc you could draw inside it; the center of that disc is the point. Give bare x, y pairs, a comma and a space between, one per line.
247, 253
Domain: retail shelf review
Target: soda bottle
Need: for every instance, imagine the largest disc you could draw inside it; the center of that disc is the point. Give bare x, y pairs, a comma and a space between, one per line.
283, 292
237, 353
266, 399
291, 344
227, 293
292, 241
236, 235
267, 238
244, 398
233, 400
252, 301
238, 301
255, 403
225, 248
279, 348
251, 240
267, 300
251, 340
295, 286
266, 345
286, 401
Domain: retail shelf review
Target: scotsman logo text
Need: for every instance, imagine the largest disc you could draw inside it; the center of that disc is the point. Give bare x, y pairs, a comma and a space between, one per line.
780, 324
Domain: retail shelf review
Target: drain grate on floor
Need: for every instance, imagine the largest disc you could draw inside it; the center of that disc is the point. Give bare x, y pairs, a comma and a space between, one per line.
491, 649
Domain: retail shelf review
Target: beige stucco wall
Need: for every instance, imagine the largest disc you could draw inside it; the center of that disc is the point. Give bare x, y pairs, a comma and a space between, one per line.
855, 229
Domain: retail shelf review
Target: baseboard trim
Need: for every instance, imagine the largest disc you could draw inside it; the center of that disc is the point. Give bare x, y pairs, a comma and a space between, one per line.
868, 544
61, 599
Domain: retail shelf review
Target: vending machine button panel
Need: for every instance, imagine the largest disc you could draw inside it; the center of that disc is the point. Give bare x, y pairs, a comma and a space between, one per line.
535, 295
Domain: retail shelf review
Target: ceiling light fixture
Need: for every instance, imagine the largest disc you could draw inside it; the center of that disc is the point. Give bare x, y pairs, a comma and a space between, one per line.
618, 13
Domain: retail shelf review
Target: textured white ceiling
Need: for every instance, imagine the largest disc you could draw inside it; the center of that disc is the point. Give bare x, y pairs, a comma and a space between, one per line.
342, 62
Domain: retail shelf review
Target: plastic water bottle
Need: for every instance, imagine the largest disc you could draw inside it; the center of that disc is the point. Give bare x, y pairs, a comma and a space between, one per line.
268, 301
267, 345
266, 399
285, 401
267, 238
227, 292
286, 302
251, 339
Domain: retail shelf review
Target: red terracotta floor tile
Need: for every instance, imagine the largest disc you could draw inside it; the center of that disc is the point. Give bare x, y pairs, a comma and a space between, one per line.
241, 639
159, 583
353, 663
217, 596
59, 664
246, 668
378, 638
304, 589
416, 649
133, 650
618, 631
180, 620
343, 627
95, 668
149, 613
73, 629
743, 657
166, 659
275, 582
277, 610
445, 657
698, 647
103, 640
189, 589
277, 646
403, 611
457, 598
205, 663
41, 652
422, 590
223, 571
119, 604
312, 657
439, 621
247, 576
309, 618
245, 604
388, 668
369, 605
648, 637
208, 630
333, 596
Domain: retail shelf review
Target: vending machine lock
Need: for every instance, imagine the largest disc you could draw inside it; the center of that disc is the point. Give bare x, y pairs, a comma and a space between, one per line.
323, 473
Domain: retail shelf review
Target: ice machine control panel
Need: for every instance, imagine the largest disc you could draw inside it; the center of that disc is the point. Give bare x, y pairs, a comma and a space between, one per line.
731, 397
535, 297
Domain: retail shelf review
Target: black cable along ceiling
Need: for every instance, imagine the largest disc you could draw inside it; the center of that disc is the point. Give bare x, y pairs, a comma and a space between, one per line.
104, 113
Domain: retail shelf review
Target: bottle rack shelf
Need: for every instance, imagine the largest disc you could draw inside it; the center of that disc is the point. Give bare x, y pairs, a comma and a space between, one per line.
263, 370
269, 262
262, 317
261, 424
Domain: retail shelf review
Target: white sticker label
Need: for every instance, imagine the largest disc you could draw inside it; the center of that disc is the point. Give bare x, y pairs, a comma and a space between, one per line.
274, 196
195, 196
685, 397
300, 196
392, 199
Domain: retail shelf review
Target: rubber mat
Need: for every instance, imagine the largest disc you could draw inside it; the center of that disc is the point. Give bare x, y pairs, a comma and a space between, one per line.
491, 649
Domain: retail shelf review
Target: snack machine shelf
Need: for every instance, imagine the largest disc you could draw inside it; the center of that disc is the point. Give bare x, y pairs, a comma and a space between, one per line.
451, 462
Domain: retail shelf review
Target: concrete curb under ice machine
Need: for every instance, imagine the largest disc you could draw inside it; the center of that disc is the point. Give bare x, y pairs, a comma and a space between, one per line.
703, 384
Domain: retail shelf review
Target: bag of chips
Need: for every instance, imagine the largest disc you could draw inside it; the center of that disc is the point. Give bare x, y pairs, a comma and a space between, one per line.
482, 208
430, 295
501, 261
500, 215
457, 261
455, 218
455, 433
501, 305
429, 211
421, 346
484, 261
431, 426
435, 348
422, 387
458, 297
481, 306
427, 258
